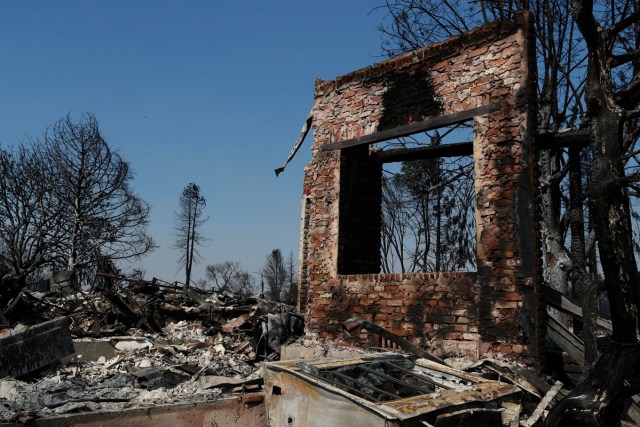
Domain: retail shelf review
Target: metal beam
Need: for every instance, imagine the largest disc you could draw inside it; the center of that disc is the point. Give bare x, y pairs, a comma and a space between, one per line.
416, 127
303, 134
454, 149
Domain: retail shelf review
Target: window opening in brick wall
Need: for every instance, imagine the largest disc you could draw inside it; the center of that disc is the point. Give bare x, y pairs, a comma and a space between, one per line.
428, 202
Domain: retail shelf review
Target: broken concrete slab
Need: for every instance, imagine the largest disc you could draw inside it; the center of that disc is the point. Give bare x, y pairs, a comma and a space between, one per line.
35, 346
91, 350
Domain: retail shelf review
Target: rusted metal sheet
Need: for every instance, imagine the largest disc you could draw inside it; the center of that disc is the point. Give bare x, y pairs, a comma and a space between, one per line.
332, 391
34, 347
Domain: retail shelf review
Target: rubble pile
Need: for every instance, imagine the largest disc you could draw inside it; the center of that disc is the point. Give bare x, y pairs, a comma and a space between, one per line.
181, 364
144, 345
146, 305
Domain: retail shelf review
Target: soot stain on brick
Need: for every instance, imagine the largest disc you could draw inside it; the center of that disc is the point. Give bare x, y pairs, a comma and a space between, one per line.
409, 98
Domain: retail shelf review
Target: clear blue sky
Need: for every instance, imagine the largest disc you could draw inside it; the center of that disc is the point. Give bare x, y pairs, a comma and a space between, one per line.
204, 91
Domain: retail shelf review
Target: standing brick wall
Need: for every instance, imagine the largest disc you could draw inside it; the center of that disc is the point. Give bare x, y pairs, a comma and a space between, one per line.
476, 313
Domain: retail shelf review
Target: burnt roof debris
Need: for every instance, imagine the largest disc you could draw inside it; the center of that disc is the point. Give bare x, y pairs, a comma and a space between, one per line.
137, 343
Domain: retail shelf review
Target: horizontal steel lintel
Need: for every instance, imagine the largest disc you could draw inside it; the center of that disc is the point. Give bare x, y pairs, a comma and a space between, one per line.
413, 128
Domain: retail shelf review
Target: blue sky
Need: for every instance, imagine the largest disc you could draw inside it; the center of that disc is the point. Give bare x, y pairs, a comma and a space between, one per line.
208, 92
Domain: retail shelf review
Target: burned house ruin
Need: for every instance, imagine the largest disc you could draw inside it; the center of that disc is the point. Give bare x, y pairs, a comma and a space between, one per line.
486, 75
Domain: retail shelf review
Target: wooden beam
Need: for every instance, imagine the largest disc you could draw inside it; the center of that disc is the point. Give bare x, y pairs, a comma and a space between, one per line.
542, 406
559, 301
416, 127
566, 340
421, 153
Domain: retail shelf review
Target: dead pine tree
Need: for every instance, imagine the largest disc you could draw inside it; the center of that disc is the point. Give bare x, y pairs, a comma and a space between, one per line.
189, 220
67, 203
101, 217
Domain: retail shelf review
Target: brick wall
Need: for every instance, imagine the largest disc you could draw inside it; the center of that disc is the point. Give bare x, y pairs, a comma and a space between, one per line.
493, 64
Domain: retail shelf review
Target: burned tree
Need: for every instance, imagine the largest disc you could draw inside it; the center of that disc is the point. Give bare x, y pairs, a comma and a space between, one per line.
229, 276
100, 215
612, 101
275, 272
589, 93
28, 214
189, 221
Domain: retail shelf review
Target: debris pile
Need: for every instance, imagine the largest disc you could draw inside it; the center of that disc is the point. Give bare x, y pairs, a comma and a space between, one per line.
142, 344
146, 305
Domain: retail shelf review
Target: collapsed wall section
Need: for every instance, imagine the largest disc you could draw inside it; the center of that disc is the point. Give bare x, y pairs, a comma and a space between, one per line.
494, 310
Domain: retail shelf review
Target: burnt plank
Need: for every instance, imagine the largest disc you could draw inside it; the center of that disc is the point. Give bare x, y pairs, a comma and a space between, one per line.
563, 303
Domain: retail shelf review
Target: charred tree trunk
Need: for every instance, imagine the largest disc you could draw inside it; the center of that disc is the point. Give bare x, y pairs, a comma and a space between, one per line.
612, 224
557, 261
583, 287
597, 400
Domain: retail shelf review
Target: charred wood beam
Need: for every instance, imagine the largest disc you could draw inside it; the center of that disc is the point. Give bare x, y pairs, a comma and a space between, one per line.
413, 128
566, 340
455, 149
559, 301
580, 137
132, 313
542, 406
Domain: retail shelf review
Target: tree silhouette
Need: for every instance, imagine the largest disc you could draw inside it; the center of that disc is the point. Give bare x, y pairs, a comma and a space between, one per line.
189, 219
